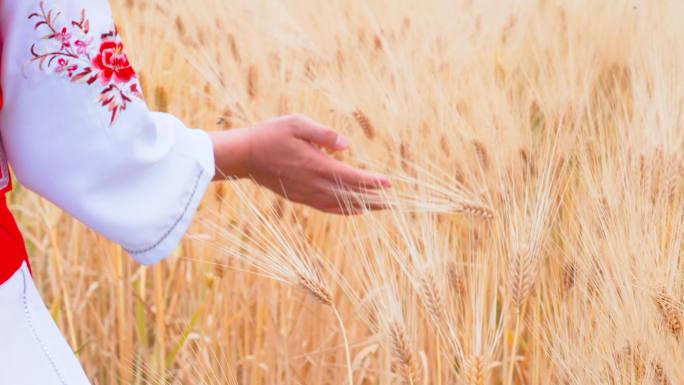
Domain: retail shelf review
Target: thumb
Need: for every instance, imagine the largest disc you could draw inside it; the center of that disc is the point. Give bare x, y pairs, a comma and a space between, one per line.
321, 135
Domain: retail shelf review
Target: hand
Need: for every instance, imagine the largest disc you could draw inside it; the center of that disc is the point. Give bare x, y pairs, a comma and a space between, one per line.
285, 155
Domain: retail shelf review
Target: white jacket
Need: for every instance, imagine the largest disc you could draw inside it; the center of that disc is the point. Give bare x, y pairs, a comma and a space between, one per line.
77, 131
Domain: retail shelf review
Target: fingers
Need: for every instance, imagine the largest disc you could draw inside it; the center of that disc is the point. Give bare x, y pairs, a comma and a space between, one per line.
346, 201
344, 211
349, 210
314, 132
353, 178
317, 133
357, 209
360, 197
368, 202
330, 197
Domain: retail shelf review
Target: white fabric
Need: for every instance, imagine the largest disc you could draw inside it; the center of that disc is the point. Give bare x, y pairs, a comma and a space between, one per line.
137, 177
32, 350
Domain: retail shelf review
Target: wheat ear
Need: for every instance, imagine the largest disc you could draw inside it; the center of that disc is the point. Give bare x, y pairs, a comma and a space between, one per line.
474, 371
406, 362
432, 296
364, 123
670, 312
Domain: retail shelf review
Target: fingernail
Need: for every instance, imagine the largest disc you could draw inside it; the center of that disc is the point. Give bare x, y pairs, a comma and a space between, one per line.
384, 181
341, 142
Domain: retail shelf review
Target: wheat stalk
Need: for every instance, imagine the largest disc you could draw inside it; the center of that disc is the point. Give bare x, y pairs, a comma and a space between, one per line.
364, 122
252, 82
456, 278
232, 44
669, 311
482, 154
473, 372
523, 277
405, 360
569, 275
530, 166
432, 296
477, 210
316, 288
660, 376
632, 361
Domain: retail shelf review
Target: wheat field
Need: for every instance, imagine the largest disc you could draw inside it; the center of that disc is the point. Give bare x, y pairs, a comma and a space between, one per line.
537, 222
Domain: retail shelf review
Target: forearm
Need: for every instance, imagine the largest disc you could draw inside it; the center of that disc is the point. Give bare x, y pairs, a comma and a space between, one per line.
231, 153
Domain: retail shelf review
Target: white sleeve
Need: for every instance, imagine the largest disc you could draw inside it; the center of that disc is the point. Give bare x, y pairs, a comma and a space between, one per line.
76, 130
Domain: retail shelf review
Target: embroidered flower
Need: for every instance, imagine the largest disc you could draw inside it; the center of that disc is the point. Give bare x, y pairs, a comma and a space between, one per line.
80, 60
113, 63
82, 46
63, 65
64, 37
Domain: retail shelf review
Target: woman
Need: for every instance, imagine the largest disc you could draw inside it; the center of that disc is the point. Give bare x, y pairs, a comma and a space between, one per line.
76, 131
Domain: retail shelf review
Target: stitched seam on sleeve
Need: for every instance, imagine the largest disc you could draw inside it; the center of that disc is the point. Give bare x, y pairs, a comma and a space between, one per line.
175, 223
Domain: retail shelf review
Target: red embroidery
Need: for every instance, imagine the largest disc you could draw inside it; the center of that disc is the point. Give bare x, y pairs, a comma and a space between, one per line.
69, 51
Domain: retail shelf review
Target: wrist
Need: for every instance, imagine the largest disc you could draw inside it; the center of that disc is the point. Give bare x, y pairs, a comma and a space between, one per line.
231, 153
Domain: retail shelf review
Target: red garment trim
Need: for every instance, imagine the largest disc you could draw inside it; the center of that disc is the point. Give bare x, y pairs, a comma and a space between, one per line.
12, 249
13, 252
